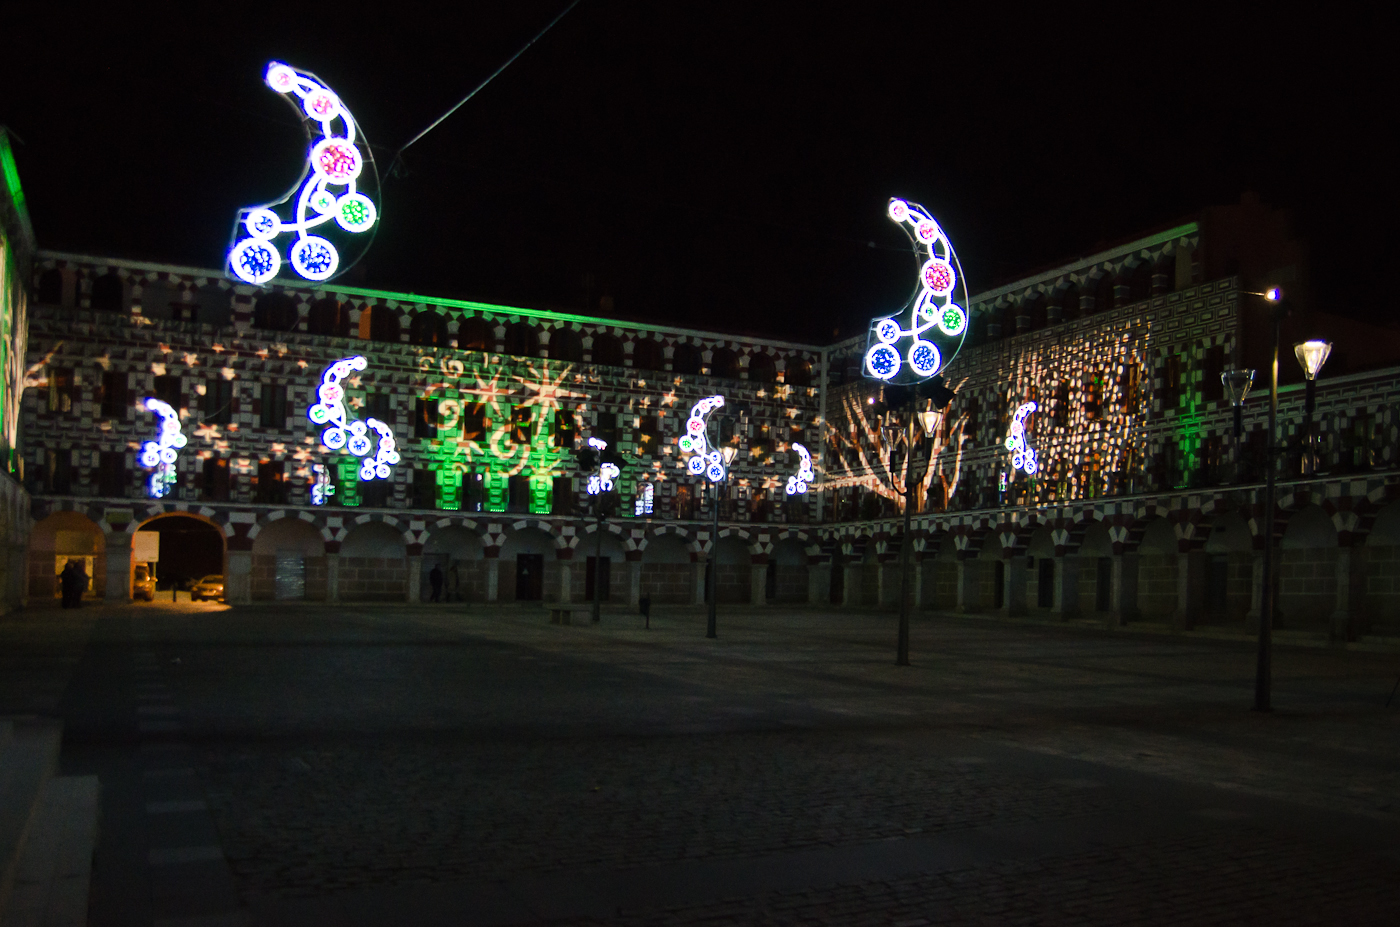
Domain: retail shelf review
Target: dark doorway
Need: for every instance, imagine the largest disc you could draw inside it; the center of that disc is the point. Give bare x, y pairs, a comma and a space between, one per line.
529, 577
999, 586
770, 581
1217, 584
190, 549
593, 578
838, 581
1045, 583
1103, 590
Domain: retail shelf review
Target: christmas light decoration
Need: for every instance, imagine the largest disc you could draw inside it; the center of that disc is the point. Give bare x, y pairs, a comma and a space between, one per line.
161, 454
335, 194
1023, 456
602, 481
385, 454
329, 409
920, 340
797, 483
321, 488
704, 458
643, 504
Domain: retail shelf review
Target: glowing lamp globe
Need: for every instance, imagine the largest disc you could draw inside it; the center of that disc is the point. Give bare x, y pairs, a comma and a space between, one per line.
1311, 356
1237, 384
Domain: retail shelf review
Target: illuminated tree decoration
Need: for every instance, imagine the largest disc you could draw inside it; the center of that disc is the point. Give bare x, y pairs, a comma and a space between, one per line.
335, 195
602, 481
704, 458
923, 337
329, 409
1023, 456
161, 454
321, 488
797, 483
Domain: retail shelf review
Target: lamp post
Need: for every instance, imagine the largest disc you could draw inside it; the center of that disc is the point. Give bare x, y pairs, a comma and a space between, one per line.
597, 458
1237, 383
1311, 356
729, 451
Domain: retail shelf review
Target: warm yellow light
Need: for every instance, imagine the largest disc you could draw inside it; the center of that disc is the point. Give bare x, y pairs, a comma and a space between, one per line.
1311, 356
729, 453
1273, 294
929, 421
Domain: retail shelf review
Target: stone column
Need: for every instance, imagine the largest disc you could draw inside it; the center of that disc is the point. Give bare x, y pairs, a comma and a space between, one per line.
414, 591
819, 583
1190, 589
1123, 590
634, 583
700, 582
1013, 592
119, 568
566, 581
758, 584
885, 570
1065, 604
17, 588
1256, 592
333, 577
493, 579
238, 578
850, 590
917, 582
969, 595
1341, 620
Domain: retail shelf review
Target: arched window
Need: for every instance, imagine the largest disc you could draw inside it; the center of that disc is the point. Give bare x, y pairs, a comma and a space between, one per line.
1009, 326
797, 372
607, 349
724, 363
107, 293
1140, 284
1033, 310
384, 325
51, 287
275, 312
328, 317
1069, 303
647, 354
428, 329
474, 334
762, 368
565, 345
1103, 294
521, 340
686, 359
1164, 276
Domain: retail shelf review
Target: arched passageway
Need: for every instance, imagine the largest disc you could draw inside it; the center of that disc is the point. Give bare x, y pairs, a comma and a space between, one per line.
289, 562
373, 564
1229, 570
668, 574
58, 539
786, 579
1157, 571
189, 549
528, 568
1307, 590
458, 554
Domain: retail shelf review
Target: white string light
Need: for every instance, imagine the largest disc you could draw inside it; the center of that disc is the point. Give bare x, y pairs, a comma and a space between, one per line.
161, 454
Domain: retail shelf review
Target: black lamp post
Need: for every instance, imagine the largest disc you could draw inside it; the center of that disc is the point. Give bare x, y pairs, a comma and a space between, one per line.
729, 452
1311, 356
1237, 383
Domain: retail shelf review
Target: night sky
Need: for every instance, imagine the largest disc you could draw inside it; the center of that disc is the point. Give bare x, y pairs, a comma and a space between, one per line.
715, 164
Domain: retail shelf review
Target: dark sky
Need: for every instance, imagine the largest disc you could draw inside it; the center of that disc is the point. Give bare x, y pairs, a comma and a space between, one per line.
716, 164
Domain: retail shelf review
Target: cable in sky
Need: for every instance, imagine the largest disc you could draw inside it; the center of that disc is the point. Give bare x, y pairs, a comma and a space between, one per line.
460, 103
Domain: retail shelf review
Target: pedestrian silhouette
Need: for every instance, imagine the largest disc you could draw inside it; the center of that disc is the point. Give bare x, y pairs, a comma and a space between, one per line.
435, 580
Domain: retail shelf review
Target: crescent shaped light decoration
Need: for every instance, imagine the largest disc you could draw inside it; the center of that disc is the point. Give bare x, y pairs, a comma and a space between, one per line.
602, 481
704, 458
161, 454
385, 454
333, 202
1023, 456
353, 436
797, 483
921, 339
321, 487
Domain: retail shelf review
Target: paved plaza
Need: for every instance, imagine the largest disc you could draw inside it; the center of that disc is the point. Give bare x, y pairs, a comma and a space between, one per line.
462, 765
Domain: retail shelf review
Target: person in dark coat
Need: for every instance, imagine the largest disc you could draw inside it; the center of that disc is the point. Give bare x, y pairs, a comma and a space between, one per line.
80, 582
69, 583
435, 580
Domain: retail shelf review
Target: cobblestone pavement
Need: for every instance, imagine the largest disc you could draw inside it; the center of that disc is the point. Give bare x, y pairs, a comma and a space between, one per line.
441, 765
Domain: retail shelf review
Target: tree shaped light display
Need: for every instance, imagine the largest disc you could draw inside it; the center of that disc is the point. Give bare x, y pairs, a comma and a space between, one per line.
160, 455
333, 202
353, 435
921, 339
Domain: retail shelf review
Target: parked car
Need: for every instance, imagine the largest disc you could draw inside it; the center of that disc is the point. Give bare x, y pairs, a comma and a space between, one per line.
210, 587
143, 584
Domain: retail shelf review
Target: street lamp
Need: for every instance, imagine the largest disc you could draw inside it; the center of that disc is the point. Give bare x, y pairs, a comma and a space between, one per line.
1311, 356
1237, 383
729, 451
597, 458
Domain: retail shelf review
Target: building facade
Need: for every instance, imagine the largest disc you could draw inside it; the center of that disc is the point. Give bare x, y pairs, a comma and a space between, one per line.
1144, 507
16, 268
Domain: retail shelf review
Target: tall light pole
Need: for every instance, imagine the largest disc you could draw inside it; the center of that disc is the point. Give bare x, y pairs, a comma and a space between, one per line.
600, 488
1311, 356
1263, 672
713, 591
1237, 383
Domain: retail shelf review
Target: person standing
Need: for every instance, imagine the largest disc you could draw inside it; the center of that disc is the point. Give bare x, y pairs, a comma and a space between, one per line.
435, 580
80, 582
65, 584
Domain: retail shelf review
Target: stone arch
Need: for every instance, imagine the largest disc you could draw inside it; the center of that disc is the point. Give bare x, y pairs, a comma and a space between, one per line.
474, 334
57, 538
373, 564
1229, 567
565, 344
197, 546
607, 349
289, 561
787, 570
459, 553
686, 359
50, 290
1158, 565
1140, 282
1307, 568
731, 561
1103, 292
383, 324
1381, 585
522, 340
1097, 540
797, 372
724, 363
528, 567
762, 368
428, 329
1385, 530
329, 317
1229, 533
108, 293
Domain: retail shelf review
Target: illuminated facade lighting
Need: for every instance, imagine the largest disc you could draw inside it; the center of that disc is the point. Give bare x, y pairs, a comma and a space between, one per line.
798, 482
602, 481
920, 340
335, 193
695, 442
1023, 456
385, 454
321, 487
642, 507
329, 409
160, 455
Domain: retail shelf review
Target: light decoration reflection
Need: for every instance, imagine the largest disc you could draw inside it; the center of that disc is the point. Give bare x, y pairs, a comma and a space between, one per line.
643, 504
161, 454
335, 195
923, 337
704, 458
321, 486
1023, 456
798, 482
